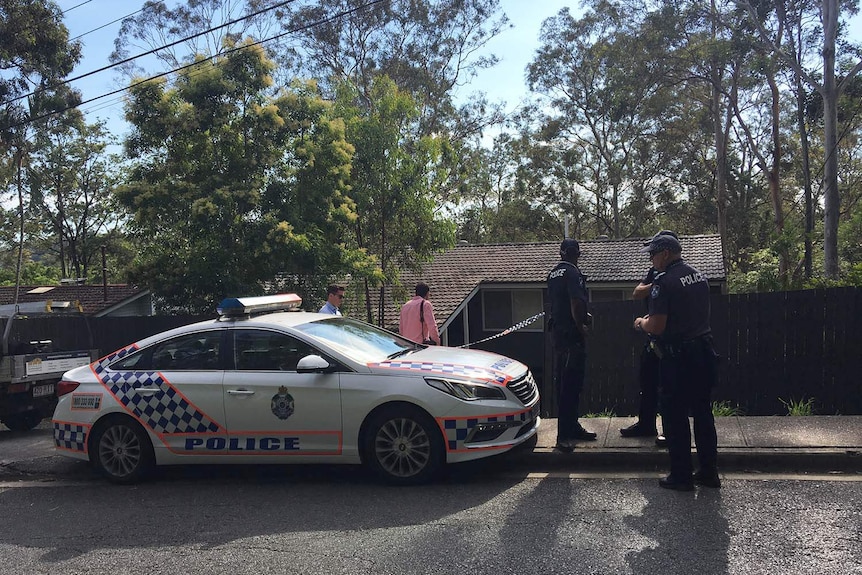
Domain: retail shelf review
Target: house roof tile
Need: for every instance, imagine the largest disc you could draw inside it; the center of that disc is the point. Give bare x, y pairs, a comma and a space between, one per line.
91, 297
454, 274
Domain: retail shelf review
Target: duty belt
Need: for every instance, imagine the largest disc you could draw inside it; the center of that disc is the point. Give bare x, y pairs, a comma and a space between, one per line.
676, 348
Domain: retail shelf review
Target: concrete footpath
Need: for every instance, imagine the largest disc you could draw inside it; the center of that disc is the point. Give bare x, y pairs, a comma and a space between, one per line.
767, 444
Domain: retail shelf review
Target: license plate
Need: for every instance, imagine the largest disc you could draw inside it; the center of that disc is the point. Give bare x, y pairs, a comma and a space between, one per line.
43, 390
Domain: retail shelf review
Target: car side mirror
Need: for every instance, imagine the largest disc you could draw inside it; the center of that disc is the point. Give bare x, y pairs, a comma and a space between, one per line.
312, 364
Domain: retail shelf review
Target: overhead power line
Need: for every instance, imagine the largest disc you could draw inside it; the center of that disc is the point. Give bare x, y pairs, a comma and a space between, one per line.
104, 25
201, 61
76, 6
153, 51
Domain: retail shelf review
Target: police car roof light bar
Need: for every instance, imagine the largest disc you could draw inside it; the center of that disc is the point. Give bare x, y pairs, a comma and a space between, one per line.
235, 306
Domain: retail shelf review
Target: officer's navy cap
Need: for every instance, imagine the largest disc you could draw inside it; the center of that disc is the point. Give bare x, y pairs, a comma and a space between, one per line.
661, 233
659, 243
568, 244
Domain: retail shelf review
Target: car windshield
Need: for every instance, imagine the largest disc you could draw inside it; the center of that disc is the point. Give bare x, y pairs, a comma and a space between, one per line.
358, 340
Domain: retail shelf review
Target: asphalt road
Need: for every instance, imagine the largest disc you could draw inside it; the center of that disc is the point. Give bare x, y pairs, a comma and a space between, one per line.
483, 518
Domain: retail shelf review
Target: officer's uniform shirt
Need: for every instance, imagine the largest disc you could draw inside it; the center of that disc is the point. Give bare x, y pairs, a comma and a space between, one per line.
681, 293
649, 278
565, 283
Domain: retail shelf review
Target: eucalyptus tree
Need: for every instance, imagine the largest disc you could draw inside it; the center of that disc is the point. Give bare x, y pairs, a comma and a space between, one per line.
758, 113
607, 90
35, 55
505, 195
799, 20
219, 162
175, 34
38, 270
427, 47
71, 179
829, 84
430, 48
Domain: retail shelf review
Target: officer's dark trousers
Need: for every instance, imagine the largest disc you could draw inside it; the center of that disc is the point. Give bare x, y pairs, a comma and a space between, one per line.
571, 362
649, 382
687, 378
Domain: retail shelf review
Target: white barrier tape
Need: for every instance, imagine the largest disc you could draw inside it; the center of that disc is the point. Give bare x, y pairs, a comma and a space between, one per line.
507, 331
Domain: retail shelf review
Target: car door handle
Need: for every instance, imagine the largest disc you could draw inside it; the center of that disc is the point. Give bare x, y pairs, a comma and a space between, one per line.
240, 392
146, 390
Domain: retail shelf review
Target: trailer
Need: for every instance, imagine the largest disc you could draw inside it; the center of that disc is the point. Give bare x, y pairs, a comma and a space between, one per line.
30, 370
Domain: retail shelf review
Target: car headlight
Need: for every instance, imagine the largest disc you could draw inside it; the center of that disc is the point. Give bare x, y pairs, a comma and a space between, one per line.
467, 391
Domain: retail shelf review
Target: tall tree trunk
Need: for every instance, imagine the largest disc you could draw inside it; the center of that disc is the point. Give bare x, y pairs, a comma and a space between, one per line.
831, 204
806, 172
794, 37
720, 147
774, 174
18, 264
720, 166
58, 225
367, 287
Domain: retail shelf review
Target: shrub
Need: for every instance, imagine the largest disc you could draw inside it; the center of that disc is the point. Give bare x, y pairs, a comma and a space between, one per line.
801, 407
604, 413
724, 409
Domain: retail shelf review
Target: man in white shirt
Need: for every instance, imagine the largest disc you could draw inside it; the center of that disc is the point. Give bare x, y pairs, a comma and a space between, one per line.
334, 298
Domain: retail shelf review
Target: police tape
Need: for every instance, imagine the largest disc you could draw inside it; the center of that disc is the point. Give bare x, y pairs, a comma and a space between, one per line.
508, 330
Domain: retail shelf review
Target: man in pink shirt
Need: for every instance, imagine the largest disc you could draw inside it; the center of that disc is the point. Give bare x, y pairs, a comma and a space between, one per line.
417, 318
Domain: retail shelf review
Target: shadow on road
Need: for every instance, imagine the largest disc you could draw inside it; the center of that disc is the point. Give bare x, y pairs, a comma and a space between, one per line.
690, 532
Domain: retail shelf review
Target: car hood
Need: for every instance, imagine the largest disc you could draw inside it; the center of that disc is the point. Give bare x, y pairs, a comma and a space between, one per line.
456, 362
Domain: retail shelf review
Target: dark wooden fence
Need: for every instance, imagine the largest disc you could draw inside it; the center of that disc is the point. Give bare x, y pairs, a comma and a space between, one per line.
775, 346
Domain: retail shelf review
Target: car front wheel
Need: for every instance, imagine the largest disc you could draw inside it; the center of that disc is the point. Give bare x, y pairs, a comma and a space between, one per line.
403, 446
121, 451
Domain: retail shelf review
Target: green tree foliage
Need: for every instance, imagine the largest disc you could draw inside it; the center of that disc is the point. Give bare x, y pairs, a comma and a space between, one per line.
511, 194
687, 116
604, 85
220, 167
35, 55
70, 178
37, 267
179, 32
394, 183
427, 47
430, 48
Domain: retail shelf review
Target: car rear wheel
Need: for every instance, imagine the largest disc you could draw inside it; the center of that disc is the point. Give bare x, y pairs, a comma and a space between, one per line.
403, 446
121, 451
24, 421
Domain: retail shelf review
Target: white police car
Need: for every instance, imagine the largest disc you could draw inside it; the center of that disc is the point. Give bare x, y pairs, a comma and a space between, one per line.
263, 384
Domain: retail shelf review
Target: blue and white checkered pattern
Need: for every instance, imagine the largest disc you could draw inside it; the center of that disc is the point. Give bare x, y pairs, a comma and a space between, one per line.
457, 430
165, 411
472, 372
71, 436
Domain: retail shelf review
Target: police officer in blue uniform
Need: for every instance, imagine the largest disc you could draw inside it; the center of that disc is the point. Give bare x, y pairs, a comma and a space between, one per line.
567, 290
679, 319
648, 372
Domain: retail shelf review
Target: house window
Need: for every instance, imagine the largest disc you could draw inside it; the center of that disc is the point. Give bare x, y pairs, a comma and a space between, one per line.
502, 309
